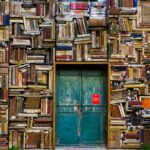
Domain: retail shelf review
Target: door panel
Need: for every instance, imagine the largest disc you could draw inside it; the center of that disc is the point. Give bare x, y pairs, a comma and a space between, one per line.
67, 101
67, 132
76, 117
90, 129
92, 118
68, 88
90, 85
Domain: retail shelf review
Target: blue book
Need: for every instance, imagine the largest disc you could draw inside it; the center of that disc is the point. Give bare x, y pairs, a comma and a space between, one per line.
6, 20
135, 3
135, 35
1, 93
148, 73
64, 48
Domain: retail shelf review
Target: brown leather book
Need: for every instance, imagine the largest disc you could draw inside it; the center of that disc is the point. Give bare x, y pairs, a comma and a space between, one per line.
147, 137
32, 103
33, 140
131, 136
115, 111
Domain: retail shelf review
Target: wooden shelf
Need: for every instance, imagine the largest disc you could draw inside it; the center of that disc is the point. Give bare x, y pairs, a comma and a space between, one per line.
82, 63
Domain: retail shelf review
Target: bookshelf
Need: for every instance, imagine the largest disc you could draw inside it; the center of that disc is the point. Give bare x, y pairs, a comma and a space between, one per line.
127, 46
4, 46
32, 41
4, 107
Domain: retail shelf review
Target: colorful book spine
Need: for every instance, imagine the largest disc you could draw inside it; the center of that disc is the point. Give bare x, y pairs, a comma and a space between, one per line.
79, 6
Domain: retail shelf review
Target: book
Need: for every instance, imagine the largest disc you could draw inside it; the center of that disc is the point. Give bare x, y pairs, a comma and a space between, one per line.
115, 111
4, 20
115, 138
143, 14
33, 140
79, 5
146, 137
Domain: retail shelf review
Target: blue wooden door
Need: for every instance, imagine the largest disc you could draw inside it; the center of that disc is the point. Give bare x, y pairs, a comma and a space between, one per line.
78, 120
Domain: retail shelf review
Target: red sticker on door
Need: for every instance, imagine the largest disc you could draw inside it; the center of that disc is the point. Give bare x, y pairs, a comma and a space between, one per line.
96, 99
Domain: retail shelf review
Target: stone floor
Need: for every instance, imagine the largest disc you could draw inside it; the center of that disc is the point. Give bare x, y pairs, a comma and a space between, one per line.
85, 148
81, 148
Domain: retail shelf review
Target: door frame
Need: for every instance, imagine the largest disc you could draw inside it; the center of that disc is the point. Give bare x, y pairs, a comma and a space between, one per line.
56, 64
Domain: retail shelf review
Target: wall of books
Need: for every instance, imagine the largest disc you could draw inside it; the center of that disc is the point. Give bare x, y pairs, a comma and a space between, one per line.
35, 34
81, 31
31, 44
4, 38
128, 46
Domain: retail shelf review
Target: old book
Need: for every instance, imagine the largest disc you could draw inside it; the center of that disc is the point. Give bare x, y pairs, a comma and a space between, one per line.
114, 141
131, 136
42, 121
131, 145
42, 140
79, 52
146, 137
33, 140
21, 42
135, 103
97, 22
79, 5
3, 143
143, 14
50, 143
115, 111
32, 103
46, 137
46, 106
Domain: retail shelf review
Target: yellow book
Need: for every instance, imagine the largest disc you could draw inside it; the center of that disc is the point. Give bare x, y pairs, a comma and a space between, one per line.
118, 127
134, 85
105, 40
79, 52
1, 33
44, 78
130, 70
50, 138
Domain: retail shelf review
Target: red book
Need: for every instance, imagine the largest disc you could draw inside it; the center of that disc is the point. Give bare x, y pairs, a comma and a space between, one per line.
111, 3
64, 57
132, 103
131, 136
38, 9
6, 54
5, 95
49, 108
79, 6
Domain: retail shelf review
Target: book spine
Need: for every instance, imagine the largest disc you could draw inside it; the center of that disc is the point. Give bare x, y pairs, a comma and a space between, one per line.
79, 6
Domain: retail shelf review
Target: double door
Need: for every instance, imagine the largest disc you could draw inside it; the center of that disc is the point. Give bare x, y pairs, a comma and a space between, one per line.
81, 107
